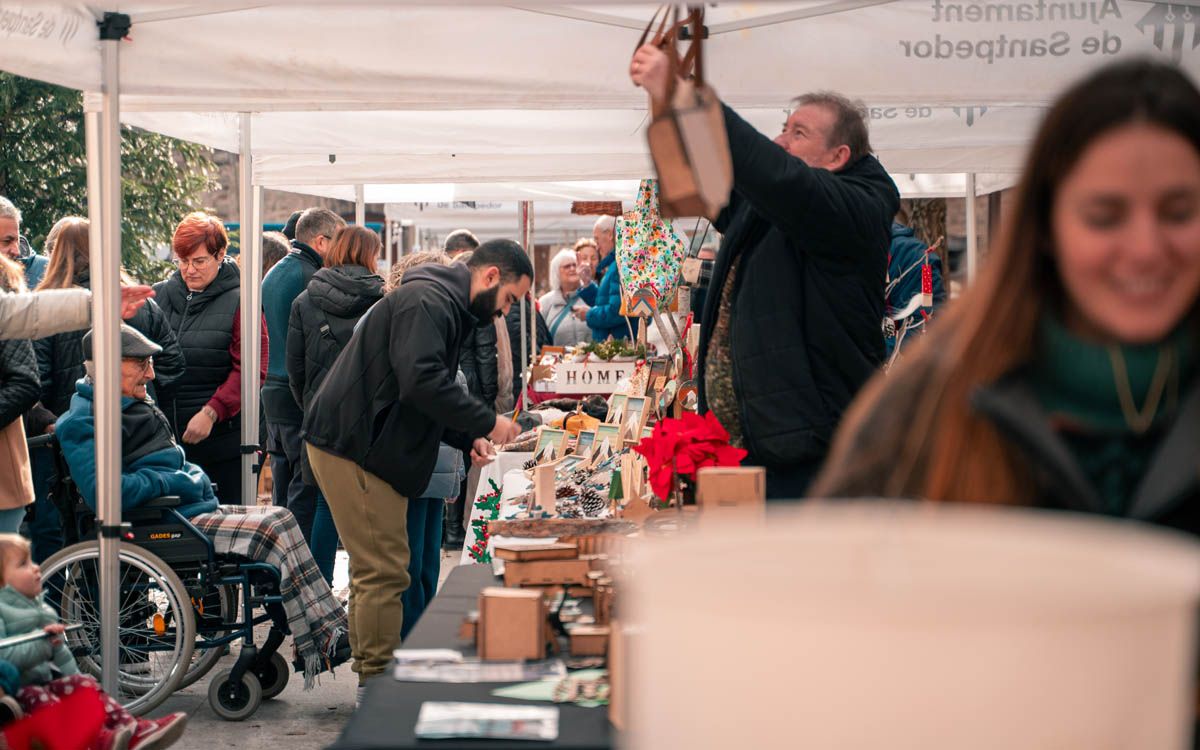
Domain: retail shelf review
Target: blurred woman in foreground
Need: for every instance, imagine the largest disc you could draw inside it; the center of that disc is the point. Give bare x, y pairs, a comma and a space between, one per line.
1067, 377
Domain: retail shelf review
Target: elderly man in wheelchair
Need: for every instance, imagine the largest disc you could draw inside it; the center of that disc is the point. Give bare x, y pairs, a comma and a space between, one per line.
157, 480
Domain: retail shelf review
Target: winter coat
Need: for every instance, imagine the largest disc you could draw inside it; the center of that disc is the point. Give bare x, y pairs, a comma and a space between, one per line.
35, 267
449, 471
513, 321
152, 463
18, 393
1167, 495
605, 319
203, 323
391, 396
588, 293
321, 324
479, 364
60, 357
286, 280
35, 315
907, 254
565, 329
20, 615
807, 304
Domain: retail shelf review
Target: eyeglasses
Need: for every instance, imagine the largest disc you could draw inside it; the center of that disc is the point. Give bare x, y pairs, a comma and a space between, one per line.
143, 363
198, 262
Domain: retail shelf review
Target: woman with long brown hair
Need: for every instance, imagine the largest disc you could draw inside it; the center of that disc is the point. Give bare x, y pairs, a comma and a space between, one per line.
60, 357
321, 324
1067, 378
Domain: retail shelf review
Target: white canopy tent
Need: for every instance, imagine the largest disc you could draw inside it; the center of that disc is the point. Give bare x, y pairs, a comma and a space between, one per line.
537, 94
488, 211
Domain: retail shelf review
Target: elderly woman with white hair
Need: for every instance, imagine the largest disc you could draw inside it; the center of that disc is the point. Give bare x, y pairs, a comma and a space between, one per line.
562, 305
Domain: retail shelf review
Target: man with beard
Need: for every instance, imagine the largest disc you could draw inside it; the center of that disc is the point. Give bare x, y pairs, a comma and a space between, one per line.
373, 429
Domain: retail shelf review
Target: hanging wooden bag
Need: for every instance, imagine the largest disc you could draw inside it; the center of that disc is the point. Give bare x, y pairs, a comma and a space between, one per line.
687, 137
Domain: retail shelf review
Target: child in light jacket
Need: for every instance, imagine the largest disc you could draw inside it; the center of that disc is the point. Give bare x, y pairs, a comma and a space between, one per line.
47, 670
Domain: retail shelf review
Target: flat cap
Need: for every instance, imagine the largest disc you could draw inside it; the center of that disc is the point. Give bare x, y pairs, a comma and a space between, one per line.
134, 344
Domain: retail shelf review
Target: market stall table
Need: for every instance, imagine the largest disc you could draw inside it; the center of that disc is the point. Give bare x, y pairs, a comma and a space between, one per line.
388, 715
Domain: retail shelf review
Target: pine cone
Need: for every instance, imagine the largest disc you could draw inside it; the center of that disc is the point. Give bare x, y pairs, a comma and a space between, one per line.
565, 490
592, 502
570, 508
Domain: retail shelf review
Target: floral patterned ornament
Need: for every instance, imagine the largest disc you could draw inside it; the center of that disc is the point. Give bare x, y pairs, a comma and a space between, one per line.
650, 253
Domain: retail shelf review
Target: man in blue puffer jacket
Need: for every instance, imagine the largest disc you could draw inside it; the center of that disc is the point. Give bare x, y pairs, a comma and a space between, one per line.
906, 254
605, 317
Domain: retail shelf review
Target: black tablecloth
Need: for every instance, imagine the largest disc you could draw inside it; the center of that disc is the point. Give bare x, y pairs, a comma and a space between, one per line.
389, 711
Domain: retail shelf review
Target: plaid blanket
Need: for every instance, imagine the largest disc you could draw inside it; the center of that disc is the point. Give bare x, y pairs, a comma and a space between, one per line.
271, 535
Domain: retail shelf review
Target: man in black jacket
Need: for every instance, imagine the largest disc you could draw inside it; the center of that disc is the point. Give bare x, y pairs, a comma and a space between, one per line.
374, 426
315, 230
793, 322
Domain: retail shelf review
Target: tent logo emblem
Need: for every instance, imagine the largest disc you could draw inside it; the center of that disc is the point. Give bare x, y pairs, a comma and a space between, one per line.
970, 114
69, 28
1170, 17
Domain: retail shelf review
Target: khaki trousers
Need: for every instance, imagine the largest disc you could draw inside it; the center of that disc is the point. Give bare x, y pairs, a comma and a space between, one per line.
372, 519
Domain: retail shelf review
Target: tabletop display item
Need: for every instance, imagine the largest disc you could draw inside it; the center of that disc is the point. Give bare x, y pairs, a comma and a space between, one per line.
616, 408
550, 445
489, 506
497, 721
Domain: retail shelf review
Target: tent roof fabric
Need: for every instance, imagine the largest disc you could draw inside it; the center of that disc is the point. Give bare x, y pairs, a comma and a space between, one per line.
383, 93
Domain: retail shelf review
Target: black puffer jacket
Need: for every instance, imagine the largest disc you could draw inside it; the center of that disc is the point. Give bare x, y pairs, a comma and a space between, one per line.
322, 322
60, 357
811, 251
513, 321
479, 364
19, 385
203, 324
391, 396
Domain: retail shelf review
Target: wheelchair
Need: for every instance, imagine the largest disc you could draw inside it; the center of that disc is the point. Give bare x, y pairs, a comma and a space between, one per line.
180, 604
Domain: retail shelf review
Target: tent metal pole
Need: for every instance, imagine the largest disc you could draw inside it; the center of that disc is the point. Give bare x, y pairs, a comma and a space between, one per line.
972, 231
360, 205
103, 143
528, 335
251, 318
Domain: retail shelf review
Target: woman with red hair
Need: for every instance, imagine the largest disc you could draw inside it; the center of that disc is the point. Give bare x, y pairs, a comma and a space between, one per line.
203, 304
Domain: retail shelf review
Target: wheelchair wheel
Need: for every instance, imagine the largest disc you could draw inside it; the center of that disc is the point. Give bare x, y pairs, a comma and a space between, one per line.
155, 625
234, 701
273, 676
220, 603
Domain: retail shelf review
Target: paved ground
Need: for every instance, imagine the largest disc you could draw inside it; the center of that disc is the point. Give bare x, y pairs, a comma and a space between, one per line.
296, 720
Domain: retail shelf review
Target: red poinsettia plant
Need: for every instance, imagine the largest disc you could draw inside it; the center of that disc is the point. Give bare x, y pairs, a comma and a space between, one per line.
683, 447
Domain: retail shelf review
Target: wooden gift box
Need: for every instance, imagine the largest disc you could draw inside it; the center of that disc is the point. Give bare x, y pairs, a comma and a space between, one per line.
546, 573
527, 553
589, 640
732, 489
512, 624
